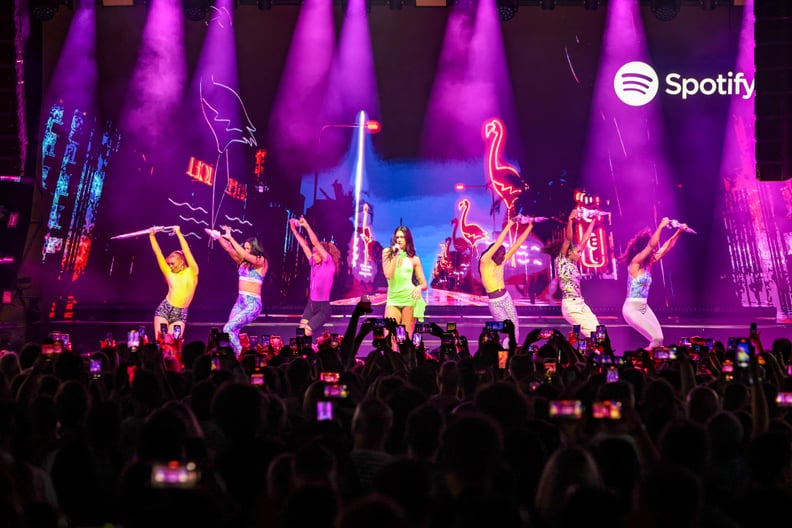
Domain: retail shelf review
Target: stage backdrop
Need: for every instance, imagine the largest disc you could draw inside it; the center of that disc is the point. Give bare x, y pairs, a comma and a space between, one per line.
251, 117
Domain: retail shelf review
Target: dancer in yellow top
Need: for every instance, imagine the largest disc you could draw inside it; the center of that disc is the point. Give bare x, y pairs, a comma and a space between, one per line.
181, 274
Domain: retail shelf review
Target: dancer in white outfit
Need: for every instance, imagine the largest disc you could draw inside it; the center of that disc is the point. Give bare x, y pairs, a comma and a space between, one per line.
641, 252
566, 254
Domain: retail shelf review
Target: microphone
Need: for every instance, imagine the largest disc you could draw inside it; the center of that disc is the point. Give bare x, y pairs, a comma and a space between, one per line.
395, 249
589, 214
675, 224
522, 219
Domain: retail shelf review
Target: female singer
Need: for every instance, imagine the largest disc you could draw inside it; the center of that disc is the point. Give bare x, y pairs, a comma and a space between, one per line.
640, 254
400, 263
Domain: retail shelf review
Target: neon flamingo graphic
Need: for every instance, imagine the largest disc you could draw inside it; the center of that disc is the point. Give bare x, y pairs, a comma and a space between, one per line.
228, 119
473, 233
505, 178
461, 244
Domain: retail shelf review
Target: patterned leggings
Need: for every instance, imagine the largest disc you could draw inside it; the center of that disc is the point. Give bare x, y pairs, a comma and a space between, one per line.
503, 308
246, 310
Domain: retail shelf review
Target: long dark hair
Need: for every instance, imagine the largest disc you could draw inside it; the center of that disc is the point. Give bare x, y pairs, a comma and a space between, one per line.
255, 247
636, 244
408, 239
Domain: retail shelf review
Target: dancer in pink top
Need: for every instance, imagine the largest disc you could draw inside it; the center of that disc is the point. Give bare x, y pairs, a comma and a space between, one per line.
324, 259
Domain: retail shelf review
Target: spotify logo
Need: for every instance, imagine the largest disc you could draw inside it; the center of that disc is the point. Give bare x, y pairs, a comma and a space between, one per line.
635, 83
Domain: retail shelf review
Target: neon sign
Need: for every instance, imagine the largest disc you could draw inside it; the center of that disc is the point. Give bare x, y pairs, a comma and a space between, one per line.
204, 173
505, 178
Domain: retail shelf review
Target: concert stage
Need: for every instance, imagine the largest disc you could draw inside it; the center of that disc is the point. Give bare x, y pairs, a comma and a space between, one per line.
92, 325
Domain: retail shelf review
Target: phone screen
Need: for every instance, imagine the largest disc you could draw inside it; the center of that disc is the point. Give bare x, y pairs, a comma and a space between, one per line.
606, 410
494, 325
503, 357
401, 334
546, 333
324, 410
329, 377
257, 378
265, 340
177, 331
133, 339
742, 352
450, 327
163, 329
417, 339
566, 409
612, 375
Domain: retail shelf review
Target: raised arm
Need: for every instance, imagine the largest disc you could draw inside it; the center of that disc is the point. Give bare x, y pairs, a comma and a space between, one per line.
163, 266
294, 224
225, 243
568, 234
519, 242
671, 242
314, 240
388, 262
191, 263
498, 242
586, 235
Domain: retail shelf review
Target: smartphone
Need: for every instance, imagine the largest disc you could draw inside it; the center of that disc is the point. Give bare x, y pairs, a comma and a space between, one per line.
494, 326
95, 368
684, 342
401, 334
65, 340
549, 369
546, 333
606, 410
423, 328
753, 330
503, 357
177, 332
293, 345
450, 327
133, 339
175, 475
257, 378
265, 340
789, 370
447, 338
276, 342
572, 409
661, 353
48, 350
163, 330
334, 339
728, 366
417, 339
324, 410
336, 390
612, 375
784, 399
223, 341
672, 352
601, 333
217, 362
743, 352
253, 341
300, 332
576, 331
583, 345
329, 377
213, 333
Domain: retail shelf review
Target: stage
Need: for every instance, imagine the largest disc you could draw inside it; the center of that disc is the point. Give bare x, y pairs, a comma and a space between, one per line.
92, 325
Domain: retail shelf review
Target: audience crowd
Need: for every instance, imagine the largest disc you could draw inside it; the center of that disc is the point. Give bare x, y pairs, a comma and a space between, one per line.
311, 436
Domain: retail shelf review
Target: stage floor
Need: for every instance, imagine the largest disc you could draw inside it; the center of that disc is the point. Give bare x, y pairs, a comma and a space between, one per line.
469, 319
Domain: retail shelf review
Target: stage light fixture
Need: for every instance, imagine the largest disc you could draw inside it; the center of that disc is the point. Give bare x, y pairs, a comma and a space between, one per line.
591, 5
666, 10
548, 4
195, 10
395, 5
43, 10
264, 5
708, 5
507, 9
